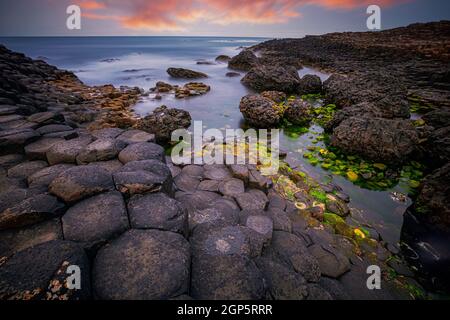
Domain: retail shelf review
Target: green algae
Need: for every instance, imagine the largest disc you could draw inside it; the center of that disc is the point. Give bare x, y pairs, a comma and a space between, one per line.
364, 173
418, 106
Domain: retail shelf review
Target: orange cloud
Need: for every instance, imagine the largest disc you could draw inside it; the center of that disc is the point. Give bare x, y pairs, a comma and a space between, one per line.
176, 15
91, 5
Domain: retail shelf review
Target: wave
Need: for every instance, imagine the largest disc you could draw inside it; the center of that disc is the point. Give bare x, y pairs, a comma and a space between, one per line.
234, 41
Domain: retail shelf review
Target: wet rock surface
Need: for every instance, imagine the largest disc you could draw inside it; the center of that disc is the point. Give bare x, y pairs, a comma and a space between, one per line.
259, 111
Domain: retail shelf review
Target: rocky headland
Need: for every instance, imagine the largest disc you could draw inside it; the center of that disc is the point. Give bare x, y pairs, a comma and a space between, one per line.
390, 95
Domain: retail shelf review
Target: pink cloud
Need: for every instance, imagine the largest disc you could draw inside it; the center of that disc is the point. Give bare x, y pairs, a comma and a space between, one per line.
176, 15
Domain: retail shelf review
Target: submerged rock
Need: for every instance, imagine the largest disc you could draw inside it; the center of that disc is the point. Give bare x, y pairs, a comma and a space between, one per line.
185, 73
223, 58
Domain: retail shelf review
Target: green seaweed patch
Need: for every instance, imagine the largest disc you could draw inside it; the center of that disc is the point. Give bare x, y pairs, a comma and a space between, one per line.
319, 195
280, 108
367, 174
418, 105
324, 114
312, 97
293, 131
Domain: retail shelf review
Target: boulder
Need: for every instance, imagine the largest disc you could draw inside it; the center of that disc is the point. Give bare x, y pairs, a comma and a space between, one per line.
383, 140
96, 219
14, 195
162, 87
37, 150
136, 136
281, 221
67, 151
15, 240
142, 265
310, 84
386, 92
216, 172
10, 160
158, 211
191, 89
432, 203
231, 187
272, 77
232, 74
26, 169
244, 61
41, 273
223, 58
298, 112
332, 263
218, 214
142, 151
80, 182
47, 117
259, 111
53, 128
317, 293
257, 181
185, 73
198, 200
209, 185
163, 121
222, 268
338, 207
186, 183
146, 176
275, 96
12, 141
194, 171
252, 200
107, 133
44, 177
291, 251
30, 211
282, 283
263, 225
240, 171
109, 165
100, 150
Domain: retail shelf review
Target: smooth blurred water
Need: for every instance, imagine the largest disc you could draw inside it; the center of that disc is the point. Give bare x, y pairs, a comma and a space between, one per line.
143, 61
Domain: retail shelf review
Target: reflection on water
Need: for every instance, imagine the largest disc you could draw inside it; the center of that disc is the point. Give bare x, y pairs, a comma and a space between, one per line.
142, 62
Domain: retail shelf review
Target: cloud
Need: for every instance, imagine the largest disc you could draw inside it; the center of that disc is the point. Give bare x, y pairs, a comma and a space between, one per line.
176, 15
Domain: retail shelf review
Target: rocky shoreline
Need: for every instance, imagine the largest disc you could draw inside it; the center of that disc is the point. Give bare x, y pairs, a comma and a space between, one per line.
83, 182
379, 80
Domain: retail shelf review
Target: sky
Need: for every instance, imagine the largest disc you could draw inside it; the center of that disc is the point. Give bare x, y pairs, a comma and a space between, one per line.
234, 18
